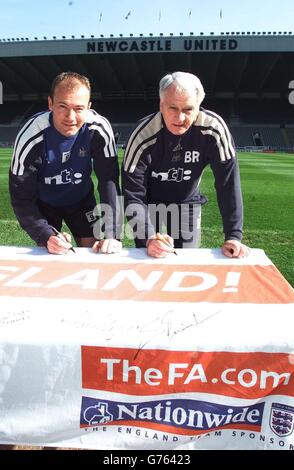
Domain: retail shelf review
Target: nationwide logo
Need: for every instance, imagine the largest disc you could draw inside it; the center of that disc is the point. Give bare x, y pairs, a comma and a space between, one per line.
97, 414
282, 419
179, 416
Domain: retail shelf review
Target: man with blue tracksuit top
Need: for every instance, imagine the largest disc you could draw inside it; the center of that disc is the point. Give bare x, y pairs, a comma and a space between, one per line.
50, 174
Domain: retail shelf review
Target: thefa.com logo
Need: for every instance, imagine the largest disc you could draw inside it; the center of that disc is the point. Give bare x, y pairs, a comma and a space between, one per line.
291, 94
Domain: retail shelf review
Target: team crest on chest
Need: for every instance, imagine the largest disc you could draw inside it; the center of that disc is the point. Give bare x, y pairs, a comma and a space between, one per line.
65, 156
82, 152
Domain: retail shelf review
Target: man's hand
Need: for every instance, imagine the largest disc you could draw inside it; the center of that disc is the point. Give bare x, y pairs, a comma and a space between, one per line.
107, 246
59, 244
235, 249
159, 249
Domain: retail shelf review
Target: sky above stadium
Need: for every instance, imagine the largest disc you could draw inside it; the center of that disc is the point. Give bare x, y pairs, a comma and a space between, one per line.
30, 18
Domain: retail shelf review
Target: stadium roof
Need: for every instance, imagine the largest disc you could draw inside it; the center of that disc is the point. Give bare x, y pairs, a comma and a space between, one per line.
232, 65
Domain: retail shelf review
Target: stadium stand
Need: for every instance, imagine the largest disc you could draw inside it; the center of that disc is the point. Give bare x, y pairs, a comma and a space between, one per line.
123, 115
11, 112
290, 134
246, 79
270, 136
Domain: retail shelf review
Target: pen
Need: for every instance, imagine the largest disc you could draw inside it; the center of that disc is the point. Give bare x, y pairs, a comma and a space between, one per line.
59, 235
164, 241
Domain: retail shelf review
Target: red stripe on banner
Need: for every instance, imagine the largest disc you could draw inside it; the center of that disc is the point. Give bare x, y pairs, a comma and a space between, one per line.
145, 282
174, 430
247, 375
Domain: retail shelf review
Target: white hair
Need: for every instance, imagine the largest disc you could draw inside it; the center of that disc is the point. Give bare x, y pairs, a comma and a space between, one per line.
183, 82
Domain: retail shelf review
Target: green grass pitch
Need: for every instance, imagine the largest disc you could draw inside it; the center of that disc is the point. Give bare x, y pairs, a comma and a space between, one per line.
268, 192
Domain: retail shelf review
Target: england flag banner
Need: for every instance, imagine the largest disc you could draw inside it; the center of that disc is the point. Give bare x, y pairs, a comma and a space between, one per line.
124, 351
